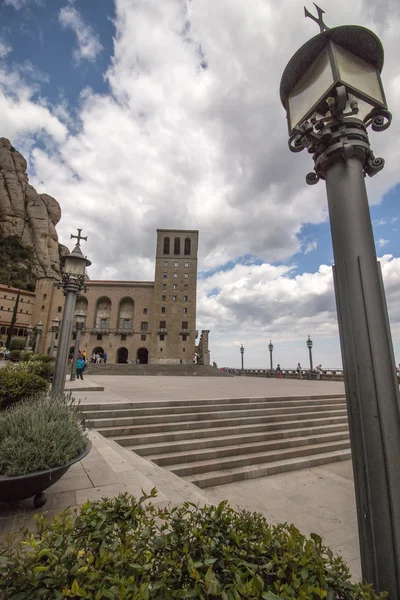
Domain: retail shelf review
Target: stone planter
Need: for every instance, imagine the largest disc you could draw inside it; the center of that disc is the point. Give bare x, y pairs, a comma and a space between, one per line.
20, 487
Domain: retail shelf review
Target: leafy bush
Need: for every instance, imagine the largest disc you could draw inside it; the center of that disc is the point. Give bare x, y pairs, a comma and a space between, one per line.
40, 433
15, 386
44, 358
14, 355
17, 344
26, 355
122, 548
42, 369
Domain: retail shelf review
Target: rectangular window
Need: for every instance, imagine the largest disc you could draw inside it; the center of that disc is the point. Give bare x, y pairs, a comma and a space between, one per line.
28, 300
162, 336
160, 349
59, 308
44, 296
186, 275
127, 323
183, 349
164, 286
142, 338
10, 309
175, 275
175, 286
145, 311
173, 298
42, 307
164, 275
1, 307
176, 265
163, 310
163, 324
163, 298
143, 326
99, 337
123, 337
185, 310
185, 325
185, 298
56, 336
165, 263
103, 323
184, 338
186, 286
186, 265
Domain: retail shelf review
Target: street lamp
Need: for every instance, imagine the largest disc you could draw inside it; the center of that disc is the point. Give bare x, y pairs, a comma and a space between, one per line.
29, 330
242, 353
309, 346
332, 91
72, 283
38, 330
55, 324
80, 320
270, 348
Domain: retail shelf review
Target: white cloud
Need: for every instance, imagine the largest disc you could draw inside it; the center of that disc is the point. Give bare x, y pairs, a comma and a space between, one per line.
17, 4
5, 48
89, 45
382, 242
310, 247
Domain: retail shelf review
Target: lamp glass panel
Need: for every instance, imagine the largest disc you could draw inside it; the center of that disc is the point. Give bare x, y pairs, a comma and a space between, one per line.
74, 266
311, 88
358, 74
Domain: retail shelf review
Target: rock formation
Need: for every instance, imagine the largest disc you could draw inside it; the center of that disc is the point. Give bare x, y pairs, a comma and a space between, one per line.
26, 217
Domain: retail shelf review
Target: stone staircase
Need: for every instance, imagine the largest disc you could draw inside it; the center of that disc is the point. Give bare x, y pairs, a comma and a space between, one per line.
155, 370
217, 441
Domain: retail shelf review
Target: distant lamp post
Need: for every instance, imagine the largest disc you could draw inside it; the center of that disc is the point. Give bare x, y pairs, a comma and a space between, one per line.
55, 326
80, 320
332, 91
309, 346
72, 283
242, 353
29, 330
270, 348
38, 330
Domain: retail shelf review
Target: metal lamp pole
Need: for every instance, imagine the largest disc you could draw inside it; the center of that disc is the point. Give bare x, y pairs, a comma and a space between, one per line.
29, 330
80, 320
55, 325
72, 283
309, 346
242, 353
270, 348
38, 329
326, 125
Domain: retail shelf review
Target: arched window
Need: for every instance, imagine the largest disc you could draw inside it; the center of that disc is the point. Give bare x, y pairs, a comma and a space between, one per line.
187, 246
166, 245
177, 245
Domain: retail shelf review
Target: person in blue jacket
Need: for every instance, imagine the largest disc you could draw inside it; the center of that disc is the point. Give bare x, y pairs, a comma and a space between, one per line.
80, 365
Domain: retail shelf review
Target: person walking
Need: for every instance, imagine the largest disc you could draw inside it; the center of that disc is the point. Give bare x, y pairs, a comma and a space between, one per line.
278, 371
105, 356
80, 365
299, 373
98, 359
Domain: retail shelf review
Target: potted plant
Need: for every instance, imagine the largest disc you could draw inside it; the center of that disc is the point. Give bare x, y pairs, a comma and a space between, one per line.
40, 438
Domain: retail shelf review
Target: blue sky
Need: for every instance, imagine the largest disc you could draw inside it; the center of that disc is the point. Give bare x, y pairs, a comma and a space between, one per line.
138, 115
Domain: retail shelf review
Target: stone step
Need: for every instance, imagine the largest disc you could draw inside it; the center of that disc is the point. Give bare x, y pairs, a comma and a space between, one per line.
187, 446
240, 430
135, 411
155, 370
121, 429
281, 465
249, 448
211, 415
254, 458
205, 402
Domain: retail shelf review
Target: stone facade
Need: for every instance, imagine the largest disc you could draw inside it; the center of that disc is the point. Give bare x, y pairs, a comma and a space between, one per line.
8, 298
153, 322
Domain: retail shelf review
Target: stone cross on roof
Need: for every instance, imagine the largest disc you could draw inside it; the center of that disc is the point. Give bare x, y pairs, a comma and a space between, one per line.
79, 237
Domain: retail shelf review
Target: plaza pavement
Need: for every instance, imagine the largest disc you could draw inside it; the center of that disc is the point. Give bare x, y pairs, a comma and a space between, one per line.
320, 499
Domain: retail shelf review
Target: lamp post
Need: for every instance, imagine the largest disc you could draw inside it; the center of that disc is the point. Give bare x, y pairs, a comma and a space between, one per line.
309, 346
38, 329
72, 283
29, 330
242, 353
270, 348
80, 320
332, 91
55, 324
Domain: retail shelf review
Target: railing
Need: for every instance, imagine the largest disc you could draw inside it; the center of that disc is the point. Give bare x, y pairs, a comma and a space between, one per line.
122, 331
185, 332
162, 330
102, 330
289, 373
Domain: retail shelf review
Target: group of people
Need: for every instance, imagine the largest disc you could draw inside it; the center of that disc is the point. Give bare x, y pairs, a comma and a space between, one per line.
98, 357
299, 371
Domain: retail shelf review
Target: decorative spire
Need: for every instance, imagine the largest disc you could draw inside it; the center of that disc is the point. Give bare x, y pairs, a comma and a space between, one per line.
319, 20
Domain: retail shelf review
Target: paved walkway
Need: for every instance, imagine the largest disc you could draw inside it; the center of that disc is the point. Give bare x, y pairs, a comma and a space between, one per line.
319, 500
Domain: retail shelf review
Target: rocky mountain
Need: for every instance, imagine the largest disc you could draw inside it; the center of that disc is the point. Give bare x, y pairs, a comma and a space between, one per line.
28, 222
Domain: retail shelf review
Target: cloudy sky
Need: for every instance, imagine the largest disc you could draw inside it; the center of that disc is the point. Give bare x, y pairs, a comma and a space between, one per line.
138, 114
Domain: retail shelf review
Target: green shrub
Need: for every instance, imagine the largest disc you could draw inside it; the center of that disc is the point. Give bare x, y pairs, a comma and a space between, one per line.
17, 344
26, 355
40, 433
42, 358
122, 548
15, 386
42, 369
